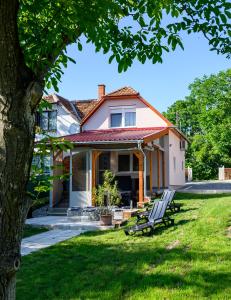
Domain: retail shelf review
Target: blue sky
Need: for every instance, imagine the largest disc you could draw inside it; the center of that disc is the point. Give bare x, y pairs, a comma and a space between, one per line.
160, 84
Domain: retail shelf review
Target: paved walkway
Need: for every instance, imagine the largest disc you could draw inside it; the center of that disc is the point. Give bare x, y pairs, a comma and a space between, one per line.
207, 187
46, 239
65, 223
62, 228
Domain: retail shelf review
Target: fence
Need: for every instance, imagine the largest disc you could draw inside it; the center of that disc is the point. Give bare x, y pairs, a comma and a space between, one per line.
224, 173
188, 174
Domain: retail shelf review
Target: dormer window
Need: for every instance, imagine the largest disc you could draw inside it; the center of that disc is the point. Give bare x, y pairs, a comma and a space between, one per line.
116, 119
124, 116
130, 118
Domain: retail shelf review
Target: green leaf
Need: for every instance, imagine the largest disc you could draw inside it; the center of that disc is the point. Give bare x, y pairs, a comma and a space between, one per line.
80, 47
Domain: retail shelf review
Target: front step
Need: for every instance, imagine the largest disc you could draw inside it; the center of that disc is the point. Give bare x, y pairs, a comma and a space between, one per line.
57, 211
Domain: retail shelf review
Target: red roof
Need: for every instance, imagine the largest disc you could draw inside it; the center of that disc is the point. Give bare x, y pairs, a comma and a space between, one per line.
116, 135
124, 91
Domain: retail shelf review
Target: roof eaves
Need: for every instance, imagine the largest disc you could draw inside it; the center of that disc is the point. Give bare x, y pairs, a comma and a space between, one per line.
180, 132
156, 135
109, 142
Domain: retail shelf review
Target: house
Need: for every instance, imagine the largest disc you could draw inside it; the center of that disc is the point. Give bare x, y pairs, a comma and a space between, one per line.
63, 117
124, 133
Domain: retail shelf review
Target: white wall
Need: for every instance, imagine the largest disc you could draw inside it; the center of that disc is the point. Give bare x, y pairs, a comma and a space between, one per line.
145, 117
177, 174
66, 123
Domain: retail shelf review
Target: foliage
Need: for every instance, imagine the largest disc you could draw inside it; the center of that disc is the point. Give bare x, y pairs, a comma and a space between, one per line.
126, 29
30, 230
40, 178
190, 260
107, 193
40, 203
205, 116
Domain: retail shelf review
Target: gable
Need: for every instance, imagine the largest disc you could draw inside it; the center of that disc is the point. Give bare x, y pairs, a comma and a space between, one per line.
146, 115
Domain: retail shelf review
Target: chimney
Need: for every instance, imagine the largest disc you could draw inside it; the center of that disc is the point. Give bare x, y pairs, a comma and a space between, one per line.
101, 91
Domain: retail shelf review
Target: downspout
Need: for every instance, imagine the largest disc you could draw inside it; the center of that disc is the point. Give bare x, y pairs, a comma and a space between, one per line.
145, 167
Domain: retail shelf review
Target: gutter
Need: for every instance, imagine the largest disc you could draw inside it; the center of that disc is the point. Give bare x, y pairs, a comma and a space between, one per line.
107, 142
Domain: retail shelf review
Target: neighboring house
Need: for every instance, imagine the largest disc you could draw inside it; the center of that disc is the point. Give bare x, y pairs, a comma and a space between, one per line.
62, 118
122, 132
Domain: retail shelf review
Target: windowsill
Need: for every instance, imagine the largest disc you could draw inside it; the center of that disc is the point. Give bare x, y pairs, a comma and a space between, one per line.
123, 127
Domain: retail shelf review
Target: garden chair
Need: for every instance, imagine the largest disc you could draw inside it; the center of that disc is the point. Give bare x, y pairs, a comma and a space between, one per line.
156, 216
166, 196
174, 207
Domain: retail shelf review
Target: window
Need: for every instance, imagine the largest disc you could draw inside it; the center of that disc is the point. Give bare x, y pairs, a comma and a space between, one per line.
174, 163
135, 163
42, 162
182, 144
116, 119
79, 172
104, 164
47, 120
130, 118
52, 120
124, 116
124, 162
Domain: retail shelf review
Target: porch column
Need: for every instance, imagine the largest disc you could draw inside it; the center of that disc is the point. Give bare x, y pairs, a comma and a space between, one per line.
163, 170
158, 169
150, 171
57, 171
95, 155
52, 182
139, 155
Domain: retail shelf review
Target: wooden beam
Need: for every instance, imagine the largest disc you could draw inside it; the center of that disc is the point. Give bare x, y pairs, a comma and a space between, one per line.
158, 169
150, 170
163, 170
95, 155
157, 135
56, 154
141, 178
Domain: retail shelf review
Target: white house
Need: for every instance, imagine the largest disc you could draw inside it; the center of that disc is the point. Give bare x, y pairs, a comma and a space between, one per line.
122, 132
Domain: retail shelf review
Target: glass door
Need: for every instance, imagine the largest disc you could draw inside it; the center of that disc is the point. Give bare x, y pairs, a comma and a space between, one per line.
80, 183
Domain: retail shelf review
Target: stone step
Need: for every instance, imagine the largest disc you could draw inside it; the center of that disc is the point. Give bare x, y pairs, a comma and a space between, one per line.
57, 211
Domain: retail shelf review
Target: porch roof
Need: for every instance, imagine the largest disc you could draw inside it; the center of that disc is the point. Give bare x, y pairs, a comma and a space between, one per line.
117, 135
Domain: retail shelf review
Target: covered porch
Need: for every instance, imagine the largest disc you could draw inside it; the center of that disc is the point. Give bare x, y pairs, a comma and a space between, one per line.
138, 158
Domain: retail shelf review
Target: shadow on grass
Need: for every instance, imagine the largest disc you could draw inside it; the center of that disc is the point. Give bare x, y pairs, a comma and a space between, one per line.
110, 265
88, 270
182, 210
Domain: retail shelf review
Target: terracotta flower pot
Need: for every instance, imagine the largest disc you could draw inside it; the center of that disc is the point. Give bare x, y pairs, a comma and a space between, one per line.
106, 220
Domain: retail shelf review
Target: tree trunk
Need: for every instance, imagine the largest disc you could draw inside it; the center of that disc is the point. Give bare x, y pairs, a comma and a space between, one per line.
19, 96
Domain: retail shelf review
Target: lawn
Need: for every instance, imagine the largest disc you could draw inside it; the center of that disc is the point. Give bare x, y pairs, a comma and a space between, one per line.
30, 230
190, 260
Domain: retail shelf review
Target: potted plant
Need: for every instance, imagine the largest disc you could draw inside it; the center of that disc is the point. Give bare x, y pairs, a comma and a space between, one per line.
107, 196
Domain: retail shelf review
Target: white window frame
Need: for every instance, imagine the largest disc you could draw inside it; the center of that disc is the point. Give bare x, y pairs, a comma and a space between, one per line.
121, 110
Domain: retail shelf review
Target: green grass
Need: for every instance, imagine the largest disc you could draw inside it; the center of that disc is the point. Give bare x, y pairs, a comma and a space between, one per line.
30, 230
190, 260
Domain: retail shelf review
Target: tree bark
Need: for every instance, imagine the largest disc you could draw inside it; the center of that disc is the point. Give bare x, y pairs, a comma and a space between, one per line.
19, 95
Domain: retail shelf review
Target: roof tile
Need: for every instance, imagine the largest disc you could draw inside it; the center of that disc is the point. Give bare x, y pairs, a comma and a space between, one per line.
113, 135
84, 106
124, 91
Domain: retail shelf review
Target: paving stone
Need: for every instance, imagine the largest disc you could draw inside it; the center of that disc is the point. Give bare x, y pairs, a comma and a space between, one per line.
62, 228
